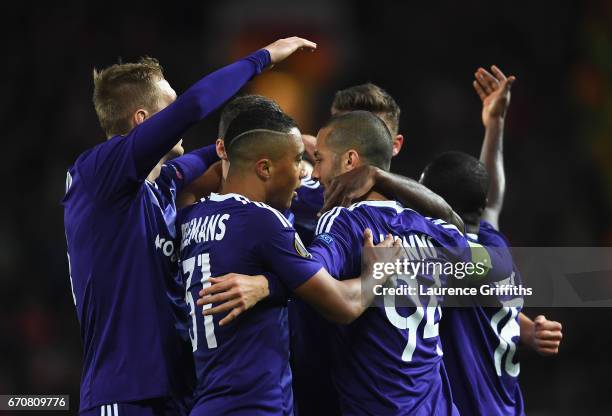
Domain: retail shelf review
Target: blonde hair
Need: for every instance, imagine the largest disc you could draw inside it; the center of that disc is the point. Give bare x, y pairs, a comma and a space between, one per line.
122, 88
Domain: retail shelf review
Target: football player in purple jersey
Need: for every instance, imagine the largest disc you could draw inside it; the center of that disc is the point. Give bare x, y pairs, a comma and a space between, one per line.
119, 214
480, 343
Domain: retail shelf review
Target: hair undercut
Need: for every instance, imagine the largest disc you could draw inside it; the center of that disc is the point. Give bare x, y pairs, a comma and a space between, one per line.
364, 132
257, 119
121, 89
253, 145
372, 98
461, 179
241, 104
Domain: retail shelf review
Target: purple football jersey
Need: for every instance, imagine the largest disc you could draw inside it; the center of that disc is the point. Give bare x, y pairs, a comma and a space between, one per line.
389, 361
309, 349
305, 207
242, 368
120, 231
480, 348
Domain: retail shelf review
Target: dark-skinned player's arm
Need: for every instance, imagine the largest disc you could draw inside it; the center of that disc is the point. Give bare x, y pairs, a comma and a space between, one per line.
494, 92
541, 335
338, 301
352, 186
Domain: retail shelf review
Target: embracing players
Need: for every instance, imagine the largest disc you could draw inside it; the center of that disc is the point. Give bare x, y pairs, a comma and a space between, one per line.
243, 367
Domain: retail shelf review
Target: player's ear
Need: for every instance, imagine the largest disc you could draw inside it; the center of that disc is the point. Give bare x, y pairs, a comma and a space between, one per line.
263, 167
351, 160
139, 116
398, 142
220, 147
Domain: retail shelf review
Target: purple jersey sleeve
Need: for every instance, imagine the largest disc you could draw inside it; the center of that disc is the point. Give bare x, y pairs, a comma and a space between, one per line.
493, 253
120, 164
336, 246
193, 164
282, 251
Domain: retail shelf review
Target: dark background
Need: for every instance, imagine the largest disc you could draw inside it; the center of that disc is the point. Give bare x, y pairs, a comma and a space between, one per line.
558, 150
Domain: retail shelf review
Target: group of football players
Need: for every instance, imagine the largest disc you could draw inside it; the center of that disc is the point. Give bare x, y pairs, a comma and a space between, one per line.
237, 279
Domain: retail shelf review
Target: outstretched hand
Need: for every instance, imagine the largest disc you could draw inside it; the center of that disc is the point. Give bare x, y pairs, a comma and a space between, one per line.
283, 48
494, 91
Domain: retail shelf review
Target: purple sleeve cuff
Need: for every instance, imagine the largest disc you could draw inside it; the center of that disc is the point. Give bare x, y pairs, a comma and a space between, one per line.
261, 59
193, 164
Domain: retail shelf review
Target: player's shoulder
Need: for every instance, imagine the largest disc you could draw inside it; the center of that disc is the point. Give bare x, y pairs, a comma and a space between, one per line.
489, 236
90, 155
335, 217
361, 213
258, 215
268, 216
443, 226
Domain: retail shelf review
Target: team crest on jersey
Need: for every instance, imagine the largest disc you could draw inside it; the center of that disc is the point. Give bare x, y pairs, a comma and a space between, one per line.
300, 248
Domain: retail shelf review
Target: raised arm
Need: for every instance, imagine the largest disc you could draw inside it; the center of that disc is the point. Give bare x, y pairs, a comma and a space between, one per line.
114, 168
494, 91
157, 135
351, 186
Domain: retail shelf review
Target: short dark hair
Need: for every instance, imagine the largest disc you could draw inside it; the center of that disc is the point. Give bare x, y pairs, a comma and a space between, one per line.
372, 98
459, 178
122, 88
364, 132
255, 144
241, 104
257, 119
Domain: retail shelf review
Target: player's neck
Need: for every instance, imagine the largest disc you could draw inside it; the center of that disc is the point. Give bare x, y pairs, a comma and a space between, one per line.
243, 186
374, 196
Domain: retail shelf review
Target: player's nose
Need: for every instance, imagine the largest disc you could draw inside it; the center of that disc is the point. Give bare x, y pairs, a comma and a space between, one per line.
315, 172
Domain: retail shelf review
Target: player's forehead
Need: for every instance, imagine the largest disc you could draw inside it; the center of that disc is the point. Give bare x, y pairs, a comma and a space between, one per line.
295, 137
322, 135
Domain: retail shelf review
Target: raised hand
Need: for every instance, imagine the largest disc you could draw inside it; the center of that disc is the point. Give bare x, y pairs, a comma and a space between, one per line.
494, 91
283, 48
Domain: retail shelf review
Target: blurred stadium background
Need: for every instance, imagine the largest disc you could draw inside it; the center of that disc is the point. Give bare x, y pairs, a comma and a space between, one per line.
558, 138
